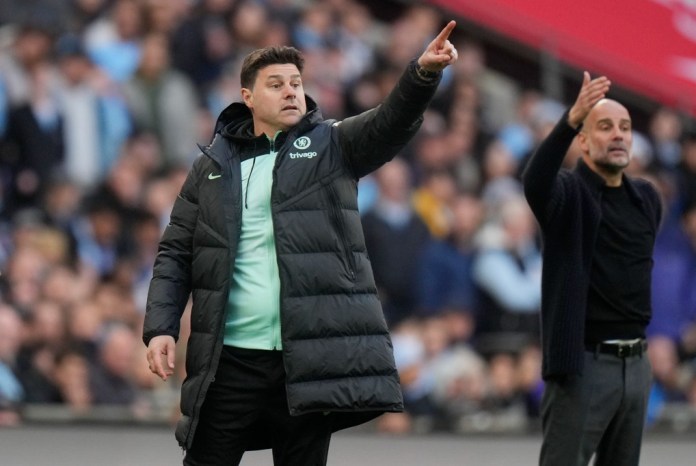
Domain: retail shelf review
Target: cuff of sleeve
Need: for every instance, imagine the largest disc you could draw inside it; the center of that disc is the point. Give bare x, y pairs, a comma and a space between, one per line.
565, 118
425, 75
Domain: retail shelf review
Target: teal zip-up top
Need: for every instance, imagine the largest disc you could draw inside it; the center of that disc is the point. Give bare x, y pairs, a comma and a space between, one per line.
253, 306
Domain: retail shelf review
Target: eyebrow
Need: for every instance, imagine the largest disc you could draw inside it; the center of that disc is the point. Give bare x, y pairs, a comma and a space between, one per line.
609, 120
280, 76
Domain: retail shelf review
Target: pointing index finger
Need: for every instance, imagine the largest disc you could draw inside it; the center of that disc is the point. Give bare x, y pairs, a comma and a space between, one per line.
444, 34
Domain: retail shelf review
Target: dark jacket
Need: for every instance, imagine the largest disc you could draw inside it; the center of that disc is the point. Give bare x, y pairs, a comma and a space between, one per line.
567, 205
336, 346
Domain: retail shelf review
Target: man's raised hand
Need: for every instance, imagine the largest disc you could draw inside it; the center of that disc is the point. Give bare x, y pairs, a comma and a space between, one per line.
440, 53
591, 92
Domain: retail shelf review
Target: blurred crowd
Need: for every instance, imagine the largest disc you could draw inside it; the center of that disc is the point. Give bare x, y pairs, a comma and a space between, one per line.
102, 103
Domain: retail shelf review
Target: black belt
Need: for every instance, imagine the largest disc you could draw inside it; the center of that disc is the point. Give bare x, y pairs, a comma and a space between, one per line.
621, 350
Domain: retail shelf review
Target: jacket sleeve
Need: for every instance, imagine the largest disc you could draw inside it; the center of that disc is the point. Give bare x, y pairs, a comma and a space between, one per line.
171, 280
374, 137
542, 187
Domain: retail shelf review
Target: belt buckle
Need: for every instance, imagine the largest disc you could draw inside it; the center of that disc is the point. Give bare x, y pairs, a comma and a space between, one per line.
623, 350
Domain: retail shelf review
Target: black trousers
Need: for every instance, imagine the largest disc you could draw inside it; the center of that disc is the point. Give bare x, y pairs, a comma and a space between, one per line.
600, 412
246, 406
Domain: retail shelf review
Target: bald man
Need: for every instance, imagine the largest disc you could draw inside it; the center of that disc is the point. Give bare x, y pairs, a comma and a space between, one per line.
598, 229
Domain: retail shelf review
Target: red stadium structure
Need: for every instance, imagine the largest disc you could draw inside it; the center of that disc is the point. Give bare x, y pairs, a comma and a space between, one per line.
648, 46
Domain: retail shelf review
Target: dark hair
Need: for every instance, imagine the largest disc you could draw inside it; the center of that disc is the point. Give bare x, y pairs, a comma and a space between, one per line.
273, 55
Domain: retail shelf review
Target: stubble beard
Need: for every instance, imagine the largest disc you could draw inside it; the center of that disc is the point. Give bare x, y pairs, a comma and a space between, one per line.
610, 166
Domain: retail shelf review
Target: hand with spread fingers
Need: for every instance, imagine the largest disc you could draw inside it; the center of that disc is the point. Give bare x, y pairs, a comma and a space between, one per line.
440, 53
591, 92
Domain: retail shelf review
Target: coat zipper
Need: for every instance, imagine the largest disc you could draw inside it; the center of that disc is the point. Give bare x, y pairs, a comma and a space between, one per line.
276, 324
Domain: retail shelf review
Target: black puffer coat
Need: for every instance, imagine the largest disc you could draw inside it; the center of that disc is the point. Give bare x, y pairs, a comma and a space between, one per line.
336, 346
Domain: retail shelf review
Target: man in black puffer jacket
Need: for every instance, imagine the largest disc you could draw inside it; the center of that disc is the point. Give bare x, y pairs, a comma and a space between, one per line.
288, 341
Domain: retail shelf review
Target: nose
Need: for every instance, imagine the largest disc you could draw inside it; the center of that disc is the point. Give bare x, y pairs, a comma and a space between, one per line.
290, 92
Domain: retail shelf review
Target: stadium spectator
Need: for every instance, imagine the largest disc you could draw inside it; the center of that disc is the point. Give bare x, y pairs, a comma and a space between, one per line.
674, 285
31, 139
12, 392
162, 101
202, 43
46, 333
71, 375
686, 177
507, 272
95, 120
431, 200
111, 377
113, 40
445, 282
394, 235
665, 132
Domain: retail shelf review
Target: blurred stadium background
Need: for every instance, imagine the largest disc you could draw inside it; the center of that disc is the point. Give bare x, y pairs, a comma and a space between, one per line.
102, 103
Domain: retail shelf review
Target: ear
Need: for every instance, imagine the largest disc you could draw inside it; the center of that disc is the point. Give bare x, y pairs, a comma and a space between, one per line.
582, 142
248, 97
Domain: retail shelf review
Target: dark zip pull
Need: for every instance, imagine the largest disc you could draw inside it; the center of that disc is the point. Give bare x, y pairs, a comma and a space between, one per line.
246, 190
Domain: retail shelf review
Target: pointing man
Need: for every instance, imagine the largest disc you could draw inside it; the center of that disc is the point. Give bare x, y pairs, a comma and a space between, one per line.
288, 341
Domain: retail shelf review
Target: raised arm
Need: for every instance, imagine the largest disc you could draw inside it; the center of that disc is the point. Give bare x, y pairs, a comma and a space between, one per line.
374, 137
540, 173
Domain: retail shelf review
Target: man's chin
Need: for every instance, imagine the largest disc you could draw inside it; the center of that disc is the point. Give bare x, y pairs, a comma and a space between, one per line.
614, 167
291, 120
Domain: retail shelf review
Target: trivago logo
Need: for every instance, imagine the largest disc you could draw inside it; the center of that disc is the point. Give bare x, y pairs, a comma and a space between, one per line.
302, 155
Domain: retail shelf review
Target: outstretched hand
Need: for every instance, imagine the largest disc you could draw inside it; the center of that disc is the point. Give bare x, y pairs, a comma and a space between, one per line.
440, 53
591, 92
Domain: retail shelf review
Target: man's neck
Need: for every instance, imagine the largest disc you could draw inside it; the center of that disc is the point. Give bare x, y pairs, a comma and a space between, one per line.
270, 133
613, 180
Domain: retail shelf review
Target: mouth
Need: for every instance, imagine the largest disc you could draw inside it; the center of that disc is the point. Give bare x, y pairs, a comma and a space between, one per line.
618, 149
290, 108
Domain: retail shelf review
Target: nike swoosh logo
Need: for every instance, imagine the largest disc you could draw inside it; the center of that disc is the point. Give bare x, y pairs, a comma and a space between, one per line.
213, 177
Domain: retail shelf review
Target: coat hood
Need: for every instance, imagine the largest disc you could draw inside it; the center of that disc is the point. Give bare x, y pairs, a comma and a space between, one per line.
236, 120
